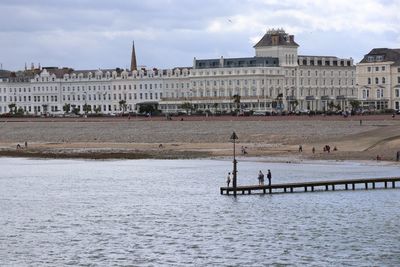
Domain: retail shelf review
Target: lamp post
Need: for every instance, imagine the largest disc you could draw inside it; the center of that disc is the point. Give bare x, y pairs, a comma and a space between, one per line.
85, 107
233, 138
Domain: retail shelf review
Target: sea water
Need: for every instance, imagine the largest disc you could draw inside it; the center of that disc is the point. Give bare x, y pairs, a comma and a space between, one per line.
170, 213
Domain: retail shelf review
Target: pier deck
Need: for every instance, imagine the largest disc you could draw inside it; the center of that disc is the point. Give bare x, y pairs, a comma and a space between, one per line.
349, 184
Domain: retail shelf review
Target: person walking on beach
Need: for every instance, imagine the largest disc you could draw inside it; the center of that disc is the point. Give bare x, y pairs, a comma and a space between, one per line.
300, 148
228, 179
260, 178
269, 176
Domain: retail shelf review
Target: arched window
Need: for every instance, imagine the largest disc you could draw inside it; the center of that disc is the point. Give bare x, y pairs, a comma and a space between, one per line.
383, 80
376, 80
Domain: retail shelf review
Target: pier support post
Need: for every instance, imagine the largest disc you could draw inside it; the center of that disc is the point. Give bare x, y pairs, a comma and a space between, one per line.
353, 187
284, 189
305, 189
346, 186
393, 184
312, 188
373, 185
333, 187
366, 186
291, 190
264, 190
326, 188
270, 190
385, 184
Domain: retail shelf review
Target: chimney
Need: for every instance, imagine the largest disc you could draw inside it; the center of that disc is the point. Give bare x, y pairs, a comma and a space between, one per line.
133, 58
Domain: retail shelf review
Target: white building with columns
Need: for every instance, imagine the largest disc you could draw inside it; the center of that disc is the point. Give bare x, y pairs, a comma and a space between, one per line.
275, 79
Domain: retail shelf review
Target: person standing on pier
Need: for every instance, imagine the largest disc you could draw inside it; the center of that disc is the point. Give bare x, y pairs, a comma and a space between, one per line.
269, 176
260, 178
228, 179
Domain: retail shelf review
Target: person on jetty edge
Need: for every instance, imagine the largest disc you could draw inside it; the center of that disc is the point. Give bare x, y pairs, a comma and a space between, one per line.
269, 176
260, 178
228, 179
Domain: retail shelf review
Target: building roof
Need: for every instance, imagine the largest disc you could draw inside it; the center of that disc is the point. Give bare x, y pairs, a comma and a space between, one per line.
275, 38
382, 55
4, 74
237, 62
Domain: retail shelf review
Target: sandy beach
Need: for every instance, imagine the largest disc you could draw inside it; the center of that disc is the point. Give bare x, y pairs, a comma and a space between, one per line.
192, 137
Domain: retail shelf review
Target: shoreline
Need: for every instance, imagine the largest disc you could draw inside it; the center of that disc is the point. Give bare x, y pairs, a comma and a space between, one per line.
130, 139
283, 156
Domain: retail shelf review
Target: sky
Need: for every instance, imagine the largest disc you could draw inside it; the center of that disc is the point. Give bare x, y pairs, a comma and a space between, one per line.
93, 34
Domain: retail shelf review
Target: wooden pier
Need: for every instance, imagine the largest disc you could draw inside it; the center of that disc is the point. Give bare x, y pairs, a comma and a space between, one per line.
320, 186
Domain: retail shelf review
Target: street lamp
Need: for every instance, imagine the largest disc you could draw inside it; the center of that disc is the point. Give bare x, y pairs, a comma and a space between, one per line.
85, 107
233, 138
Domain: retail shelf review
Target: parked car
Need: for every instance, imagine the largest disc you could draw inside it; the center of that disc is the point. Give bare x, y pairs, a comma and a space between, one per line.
259, 113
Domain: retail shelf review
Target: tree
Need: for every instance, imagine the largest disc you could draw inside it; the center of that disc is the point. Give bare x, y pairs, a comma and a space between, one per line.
294, 104
331, 105
215, 106
75, 110
97, 109
67, 108
355, 104
13, 108
147, 108
87, 108
20, 111
236, 101
187, 106
122, 105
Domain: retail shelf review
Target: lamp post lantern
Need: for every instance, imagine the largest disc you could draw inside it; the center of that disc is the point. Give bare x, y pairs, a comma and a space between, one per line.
233, 138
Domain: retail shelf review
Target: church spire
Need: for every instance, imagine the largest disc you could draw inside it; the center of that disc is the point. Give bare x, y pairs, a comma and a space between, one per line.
133, 58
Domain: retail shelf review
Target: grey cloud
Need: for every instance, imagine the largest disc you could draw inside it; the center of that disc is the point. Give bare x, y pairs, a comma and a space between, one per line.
168, 33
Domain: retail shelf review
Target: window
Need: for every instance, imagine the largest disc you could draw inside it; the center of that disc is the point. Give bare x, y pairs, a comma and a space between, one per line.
376, 80
376, 68
383, 80
383, 68
369, 80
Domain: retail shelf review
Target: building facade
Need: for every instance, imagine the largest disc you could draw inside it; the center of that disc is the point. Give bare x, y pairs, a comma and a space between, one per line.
276, 79
378, 79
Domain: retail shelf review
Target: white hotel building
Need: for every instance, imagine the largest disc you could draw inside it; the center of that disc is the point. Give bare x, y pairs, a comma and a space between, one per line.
275, 79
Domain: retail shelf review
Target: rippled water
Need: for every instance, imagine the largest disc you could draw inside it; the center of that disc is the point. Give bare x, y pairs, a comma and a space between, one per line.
169, 212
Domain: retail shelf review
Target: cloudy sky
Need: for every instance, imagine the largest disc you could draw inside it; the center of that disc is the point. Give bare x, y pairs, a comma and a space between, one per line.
91, 34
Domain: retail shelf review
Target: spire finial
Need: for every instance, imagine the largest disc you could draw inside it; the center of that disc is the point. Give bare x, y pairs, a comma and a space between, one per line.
133, 57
